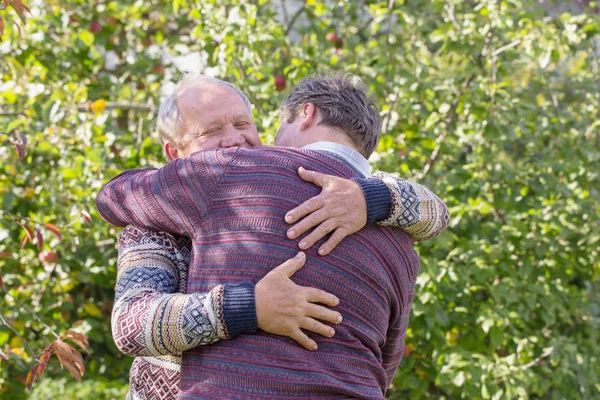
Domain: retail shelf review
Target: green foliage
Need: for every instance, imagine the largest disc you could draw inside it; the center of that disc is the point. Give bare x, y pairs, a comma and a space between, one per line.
494, 105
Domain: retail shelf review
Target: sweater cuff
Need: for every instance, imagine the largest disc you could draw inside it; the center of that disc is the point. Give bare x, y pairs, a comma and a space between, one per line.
239, 309
377, 196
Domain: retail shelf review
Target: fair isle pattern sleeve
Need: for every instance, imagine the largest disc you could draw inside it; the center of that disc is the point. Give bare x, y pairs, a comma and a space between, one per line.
151, 316
415, 209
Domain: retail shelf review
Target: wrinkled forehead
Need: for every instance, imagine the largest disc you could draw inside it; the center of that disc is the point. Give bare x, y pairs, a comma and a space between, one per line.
208, 103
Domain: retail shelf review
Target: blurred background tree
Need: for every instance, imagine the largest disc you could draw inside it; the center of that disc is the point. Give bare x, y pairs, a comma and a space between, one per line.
494, 105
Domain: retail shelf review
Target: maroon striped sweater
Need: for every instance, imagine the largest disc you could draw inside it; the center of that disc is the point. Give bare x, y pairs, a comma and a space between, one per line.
232, 204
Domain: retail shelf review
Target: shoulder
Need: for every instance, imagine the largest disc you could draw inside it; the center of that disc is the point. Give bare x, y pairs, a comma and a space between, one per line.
293, 158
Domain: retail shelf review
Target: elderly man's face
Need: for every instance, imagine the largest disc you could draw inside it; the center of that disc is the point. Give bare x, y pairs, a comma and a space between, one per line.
214, 116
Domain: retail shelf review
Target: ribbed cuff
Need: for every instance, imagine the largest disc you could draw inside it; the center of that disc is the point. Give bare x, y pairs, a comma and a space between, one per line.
378, 197
239, 309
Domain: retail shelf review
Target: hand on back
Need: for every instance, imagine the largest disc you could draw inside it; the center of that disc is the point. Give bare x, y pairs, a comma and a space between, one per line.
340, 208
284, 308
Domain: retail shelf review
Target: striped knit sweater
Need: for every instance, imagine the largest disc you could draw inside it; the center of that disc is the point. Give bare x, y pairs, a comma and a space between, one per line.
152, 275
238, 232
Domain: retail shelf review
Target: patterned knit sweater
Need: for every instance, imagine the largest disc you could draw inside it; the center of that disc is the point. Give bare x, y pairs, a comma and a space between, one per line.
232, 202
152, 274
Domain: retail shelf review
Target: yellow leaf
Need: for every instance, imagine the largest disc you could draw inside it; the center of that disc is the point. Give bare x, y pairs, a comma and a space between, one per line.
29, 193
20, 352
15, 342
540, 99
92, 309
98, 106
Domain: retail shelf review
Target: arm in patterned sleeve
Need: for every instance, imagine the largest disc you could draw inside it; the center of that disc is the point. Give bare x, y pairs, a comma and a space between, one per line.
173, 198
412, 207
152, 317
415, 209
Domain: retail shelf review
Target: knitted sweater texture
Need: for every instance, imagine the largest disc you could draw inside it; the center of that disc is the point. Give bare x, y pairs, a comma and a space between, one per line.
231, 203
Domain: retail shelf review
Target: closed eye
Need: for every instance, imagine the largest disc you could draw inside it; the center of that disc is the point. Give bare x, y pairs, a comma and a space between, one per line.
242, 125
212, 131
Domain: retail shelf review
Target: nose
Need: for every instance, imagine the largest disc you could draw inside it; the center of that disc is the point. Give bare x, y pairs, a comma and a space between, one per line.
234, 141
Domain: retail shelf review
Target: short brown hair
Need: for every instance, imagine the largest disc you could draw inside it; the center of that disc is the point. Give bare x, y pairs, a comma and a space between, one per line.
343, 102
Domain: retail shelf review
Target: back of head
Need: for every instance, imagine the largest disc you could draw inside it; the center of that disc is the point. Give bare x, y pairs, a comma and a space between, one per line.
343, 103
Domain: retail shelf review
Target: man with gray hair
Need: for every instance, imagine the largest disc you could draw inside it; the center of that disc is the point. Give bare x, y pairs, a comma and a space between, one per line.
306, 123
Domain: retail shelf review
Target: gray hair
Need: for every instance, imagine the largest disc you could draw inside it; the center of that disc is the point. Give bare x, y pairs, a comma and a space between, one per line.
168, 113
343, 102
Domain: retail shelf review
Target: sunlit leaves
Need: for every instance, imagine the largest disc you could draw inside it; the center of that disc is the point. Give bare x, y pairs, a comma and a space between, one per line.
54, 230
516, 155
68, 357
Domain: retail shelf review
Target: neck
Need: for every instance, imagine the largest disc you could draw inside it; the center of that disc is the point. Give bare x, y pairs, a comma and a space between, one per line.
324, 134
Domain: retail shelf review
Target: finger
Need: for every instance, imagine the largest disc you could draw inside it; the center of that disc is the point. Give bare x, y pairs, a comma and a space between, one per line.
324, 314
320, 296
314, 219
308, 207
333, 241
315, 326
304, 340
320, 232
315, 177
291, 266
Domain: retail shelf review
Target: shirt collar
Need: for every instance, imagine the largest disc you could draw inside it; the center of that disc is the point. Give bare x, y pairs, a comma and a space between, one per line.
351, 156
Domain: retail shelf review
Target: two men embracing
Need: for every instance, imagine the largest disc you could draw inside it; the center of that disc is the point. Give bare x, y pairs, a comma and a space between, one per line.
213, 298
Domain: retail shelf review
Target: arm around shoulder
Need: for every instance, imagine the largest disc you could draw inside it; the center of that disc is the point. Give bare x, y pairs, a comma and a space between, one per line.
415, 209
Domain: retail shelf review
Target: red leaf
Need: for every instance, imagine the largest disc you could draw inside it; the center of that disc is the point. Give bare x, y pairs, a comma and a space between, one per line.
46, 354
69, 358
37, 370
77, 338
32, 375
1, 27
6, 254
40, 238
28, 230
86, 217
20, 8
20, 151
1, 282
55, 230
24, 240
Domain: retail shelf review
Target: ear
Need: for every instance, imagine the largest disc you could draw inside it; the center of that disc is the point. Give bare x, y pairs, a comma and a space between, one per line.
308, 115
171, 151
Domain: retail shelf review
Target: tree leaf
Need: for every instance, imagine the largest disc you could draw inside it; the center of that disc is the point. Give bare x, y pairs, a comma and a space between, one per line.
77, 338
39, 368
20, 151
33, 373
69, 358
29, 231
55, 230
86, 217
20, 8
40, 238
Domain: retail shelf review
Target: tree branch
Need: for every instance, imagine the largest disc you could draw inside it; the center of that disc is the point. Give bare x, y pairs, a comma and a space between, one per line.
120, 106
20, 337
294, 18
37, 317
453, 116
87, 107
509, 46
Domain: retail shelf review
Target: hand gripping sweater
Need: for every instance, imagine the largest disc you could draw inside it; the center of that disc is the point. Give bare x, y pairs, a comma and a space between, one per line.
231, 203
